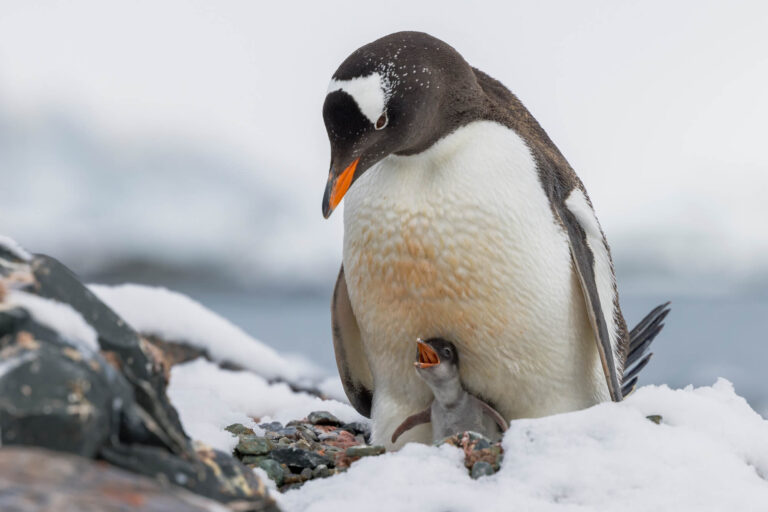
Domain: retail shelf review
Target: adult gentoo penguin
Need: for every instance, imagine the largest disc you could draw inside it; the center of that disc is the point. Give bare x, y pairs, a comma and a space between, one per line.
463, 221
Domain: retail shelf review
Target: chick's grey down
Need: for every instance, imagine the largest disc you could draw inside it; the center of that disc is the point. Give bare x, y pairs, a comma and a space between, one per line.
453, 409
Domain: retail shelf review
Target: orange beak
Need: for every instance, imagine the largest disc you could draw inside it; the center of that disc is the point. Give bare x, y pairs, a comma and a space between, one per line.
337, 186
427, 356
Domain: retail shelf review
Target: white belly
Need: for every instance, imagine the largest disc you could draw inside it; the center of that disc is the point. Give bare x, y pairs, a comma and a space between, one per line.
460, 242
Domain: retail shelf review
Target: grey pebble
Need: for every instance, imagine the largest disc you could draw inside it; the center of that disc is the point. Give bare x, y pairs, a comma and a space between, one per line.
481, 468
323, 418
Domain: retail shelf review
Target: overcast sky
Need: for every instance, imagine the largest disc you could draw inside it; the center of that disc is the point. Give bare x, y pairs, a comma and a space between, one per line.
661, 106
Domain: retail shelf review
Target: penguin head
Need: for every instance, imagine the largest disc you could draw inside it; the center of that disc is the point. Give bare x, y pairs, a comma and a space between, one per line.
437, 360
397, 95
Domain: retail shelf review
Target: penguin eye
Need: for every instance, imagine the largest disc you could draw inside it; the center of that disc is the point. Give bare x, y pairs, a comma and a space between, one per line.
447, 352
381, 122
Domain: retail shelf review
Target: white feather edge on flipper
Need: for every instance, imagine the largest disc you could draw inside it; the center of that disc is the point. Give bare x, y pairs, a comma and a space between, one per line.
600, 281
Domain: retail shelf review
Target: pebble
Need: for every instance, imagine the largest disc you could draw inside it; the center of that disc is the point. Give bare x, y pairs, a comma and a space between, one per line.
307, 434
364, 451
321, 471
656, 418
238, 429
252, 459
302, 444
298, 459
273, 470
482, 444
323, 418
306, 474
254, 445
357, 427
272, 426
481, 468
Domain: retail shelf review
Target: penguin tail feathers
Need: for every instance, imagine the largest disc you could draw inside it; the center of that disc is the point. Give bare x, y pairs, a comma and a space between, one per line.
640, 339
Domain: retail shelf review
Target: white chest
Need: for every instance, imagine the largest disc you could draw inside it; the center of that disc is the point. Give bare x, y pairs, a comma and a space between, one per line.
460, 242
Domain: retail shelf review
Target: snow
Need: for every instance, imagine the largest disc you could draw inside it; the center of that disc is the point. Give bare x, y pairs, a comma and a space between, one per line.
176, 317
209, 398
11, 245
58, 317
709, 453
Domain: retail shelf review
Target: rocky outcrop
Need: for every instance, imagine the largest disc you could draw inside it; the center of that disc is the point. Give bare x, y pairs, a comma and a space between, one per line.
74, 377
38, 479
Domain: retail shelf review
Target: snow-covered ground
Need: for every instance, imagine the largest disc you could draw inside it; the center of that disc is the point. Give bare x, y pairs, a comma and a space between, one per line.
710, 451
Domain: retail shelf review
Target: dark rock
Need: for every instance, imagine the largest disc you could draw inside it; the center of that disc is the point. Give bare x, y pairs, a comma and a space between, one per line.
323, 418
297, 459
306, 474
481, 468
481, 444
171, 353
109, 405
54, 396
273, 469
357, 427
55, 281
33, 479
656, 418
211, 473
254, 445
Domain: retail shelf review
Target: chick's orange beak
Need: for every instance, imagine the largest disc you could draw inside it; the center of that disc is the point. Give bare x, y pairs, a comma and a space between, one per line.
427, 356
337, 186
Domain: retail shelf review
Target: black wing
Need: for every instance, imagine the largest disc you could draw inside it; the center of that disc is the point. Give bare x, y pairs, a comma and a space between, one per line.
348, 344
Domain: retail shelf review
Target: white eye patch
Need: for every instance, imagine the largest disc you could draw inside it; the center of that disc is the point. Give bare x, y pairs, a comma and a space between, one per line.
367, 91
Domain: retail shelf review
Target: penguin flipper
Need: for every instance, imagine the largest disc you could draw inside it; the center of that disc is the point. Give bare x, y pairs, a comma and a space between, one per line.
582, 227
411, 421
348, 344
494, 414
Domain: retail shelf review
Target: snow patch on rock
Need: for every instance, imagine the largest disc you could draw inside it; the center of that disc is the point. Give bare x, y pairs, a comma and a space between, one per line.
58, 317
14, 248
209, 399
173, 316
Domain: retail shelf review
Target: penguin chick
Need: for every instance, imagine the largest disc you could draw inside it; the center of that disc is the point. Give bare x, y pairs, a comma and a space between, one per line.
453, 409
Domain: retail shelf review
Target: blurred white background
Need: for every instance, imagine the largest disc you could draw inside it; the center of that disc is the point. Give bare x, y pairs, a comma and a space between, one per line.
182, 143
